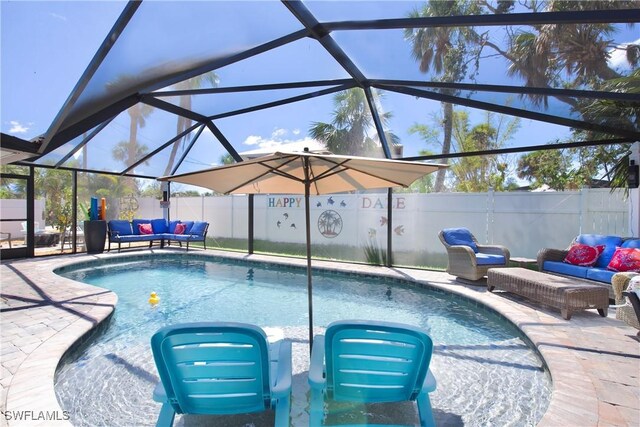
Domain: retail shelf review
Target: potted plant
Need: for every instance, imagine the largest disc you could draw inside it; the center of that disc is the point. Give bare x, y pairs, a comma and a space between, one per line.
95, 230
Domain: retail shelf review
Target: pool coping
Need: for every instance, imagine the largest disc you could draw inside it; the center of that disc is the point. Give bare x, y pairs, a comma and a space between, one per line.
594, 362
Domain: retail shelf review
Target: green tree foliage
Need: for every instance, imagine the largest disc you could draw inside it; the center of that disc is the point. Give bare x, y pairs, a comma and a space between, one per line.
13, 188
549, 167
129, 152
115, 189
576, 56
443, 50
54, 186
618, 114
581, 166
349, 131
227, 159
475, 173
152, 190
479, 173
564, 55
187, 193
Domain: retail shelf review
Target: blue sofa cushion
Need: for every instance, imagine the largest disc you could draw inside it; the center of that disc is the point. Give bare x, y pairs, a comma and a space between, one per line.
120, 227
459, 236
566, 269
610, 243
198, 228
136, 222
137, 238
600, 275
183, 237
489, 259
188, 225
159, 226
631, 243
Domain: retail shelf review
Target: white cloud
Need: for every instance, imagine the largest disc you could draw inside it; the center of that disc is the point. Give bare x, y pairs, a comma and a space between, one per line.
17, 127
618, 56
278, 141
253, 140
60, 17
270, 145
279, 133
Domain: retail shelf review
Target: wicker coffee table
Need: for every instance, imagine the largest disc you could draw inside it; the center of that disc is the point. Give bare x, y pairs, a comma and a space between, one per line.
569, 295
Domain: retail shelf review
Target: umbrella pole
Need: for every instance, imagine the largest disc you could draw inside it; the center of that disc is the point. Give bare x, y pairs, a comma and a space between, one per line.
308, 227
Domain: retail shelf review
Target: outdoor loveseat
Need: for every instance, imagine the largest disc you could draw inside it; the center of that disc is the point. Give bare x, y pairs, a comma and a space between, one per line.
592, 257
150, 230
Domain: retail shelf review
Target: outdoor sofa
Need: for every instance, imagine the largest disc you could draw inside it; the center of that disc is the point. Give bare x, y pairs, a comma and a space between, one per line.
555, 261
150, 230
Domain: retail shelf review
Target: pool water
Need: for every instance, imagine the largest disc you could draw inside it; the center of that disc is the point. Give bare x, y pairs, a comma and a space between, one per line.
487, 373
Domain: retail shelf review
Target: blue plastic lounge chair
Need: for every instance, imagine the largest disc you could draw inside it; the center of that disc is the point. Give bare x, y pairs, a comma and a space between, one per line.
220, 368
368, 361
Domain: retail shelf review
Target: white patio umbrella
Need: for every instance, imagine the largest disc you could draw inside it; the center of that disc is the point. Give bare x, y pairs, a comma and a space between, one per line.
307, 173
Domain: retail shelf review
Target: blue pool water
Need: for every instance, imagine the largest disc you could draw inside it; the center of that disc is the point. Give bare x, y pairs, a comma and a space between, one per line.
487, 374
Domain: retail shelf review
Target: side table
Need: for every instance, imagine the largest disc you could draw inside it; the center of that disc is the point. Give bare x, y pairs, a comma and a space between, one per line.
523, 262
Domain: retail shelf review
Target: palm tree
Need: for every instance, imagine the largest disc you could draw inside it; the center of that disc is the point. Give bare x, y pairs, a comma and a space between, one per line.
227, 159
443, 50
185, 102
554, 55
348, 132
564, 55
127, 153
138, 119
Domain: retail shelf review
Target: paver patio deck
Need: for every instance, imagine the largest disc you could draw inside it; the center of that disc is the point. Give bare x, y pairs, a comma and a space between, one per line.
594, 362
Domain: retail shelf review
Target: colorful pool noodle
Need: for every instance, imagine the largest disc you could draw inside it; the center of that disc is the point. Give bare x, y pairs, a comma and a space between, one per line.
103, 209
94, 209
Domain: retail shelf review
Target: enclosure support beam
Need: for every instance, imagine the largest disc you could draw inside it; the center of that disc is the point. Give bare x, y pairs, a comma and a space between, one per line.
250, 225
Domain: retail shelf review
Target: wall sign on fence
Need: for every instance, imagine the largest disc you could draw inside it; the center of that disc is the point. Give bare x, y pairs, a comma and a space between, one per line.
284, 202
378, 203
330, 224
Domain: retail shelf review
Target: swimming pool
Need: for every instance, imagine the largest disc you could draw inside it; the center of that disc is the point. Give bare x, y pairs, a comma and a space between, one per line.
486, 371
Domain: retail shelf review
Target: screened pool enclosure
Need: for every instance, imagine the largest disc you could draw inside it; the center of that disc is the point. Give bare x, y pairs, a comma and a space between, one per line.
101, 98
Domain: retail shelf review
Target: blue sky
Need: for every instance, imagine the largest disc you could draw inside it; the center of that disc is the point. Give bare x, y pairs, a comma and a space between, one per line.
46, 46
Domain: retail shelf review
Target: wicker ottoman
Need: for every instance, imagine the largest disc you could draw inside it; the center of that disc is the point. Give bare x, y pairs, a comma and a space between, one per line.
569, 295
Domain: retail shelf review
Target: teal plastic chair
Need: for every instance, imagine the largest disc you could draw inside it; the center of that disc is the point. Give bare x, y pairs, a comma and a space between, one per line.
368, 361
220, 368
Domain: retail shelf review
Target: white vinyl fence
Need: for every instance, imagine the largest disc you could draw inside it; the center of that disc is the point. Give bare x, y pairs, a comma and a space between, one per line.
523, 221
17, 208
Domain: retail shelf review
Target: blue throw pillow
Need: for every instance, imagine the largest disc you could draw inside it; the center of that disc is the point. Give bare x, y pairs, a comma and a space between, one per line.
459, 236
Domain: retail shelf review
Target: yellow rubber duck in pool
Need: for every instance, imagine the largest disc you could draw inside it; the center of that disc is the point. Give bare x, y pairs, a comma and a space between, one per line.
154, 299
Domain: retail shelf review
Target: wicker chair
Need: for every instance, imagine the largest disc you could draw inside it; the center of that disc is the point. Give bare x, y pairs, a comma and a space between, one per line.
464, 262
624, 310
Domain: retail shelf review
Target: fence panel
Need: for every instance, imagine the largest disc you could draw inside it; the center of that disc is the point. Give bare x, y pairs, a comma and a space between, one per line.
345, 225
